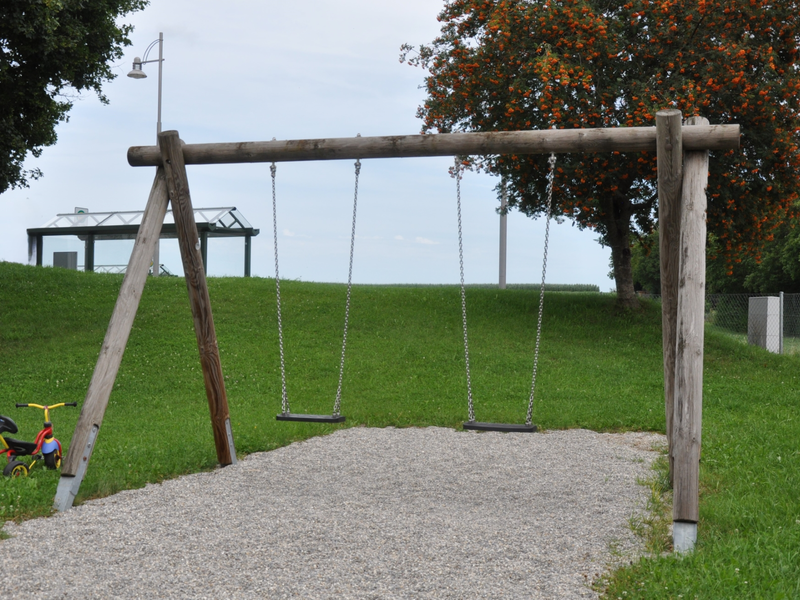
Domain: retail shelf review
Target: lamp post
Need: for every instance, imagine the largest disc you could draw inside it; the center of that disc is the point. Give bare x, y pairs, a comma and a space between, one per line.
137, 73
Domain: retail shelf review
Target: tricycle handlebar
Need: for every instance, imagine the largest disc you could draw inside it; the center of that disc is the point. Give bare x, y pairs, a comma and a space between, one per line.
19, 405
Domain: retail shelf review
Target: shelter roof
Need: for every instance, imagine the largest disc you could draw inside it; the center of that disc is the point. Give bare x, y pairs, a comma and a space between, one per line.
216, 222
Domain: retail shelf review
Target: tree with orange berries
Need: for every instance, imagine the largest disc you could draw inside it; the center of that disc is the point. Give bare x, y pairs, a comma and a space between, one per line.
502, 65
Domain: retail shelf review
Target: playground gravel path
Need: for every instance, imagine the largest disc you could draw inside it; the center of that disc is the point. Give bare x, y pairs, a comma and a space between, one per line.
361, 513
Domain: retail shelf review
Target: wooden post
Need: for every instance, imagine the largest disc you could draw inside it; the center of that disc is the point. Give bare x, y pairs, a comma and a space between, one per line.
194, 270
119, 328
670, 179
689, 349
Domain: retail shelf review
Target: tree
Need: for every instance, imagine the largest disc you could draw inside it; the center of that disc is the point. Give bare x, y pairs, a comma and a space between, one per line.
521, 64
776, 269
50, 50
779, 268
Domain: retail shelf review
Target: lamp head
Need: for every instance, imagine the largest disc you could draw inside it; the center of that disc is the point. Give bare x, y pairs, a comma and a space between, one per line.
137, 72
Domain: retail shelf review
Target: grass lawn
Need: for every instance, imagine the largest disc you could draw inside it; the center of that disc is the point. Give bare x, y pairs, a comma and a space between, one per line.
791, 345
599, 369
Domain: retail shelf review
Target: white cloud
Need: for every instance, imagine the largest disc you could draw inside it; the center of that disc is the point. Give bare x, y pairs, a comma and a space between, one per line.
399, 237
426, 241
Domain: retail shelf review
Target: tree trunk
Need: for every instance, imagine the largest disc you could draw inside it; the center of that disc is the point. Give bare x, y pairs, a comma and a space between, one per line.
617, 220
623, 275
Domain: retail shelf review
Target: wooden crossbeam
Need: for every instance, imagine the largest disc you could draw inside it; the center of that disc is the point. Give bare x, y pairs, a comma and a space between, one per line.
620, 139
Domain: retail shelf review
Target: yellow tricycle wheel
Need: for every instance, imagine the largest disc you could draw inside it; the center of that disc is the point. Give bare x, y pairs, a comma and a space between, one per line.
16, 468
53, 459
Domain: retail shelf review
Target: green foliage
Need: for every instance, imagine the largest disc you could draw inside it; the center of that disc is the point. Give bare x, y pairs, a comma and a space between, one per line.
535, 64
776, 269
600, 368
49, 50
646, 264
721, 277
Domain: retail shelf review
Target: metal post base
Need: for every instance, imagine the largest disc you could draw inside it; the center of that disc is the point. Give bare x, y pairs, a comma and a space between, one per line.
65, 493
684, 536
69, 485
231, 448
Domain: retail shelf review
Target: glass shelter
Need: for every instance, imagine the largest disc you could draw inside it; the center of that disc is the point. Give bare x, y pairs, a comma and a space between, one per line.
90, 227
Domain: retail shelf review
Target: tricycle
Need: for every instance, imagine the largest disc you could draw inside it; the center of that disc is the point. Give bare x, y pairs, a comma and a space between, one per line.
45, 447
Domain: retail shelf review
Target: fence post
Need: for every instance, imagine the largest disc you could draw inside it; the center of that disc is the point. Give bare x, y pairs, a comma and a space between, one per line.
780, 325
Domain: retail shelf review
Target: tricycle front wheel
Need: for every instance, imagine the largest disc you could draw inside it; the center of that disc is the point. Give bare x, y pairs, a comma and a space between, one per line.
52, 460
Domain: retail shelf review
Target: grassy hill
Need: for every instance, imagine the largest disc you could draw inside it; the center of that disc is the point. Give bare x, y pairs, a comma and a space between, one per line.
599, 369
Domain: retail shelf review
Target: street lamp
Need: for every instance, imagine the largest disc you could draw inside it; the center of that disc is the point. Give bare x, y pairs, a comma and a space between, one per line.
138, 73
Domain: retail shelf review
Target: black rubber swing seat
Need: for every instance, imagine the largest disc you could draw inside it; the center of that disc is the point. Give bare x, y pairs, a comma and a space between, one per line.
504, 427
310, 418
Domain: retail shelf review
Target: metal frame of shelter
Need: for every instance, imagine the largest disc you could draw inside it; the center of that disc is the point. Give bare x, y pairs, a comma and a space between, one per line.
123, 225
682, 151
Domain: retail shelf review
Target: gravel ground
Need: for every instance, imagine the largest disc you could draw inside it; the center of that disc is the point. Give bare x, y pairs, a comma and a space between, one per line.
360, 513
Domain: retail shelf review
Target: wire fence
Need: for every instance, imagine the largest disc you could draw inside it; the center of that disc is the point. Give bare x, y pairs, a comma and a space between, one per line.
772, 321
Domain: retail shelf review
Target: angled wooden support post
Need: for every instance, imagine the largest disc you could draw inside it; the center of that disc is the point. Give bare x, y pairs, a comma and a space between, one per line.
119, 328
669, 144
688, 411
194, 270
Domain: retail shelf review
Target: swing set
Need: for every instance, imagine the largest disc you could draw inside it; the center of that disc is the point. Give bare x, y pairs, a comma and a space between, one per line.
682, 153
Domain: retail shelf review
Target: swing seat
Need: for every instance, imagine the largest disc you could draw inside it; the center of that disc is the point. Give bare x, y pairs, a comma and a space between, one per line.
310, 418
504, 427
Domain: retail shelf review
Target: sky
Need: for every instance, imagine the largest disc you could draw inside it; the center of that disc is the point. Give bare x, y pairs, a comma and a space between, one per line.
250, 70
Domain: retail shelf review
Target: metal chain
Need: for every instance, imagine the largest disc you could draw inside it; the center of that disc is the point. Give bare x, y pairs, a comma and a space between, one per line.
463, 291
284, 398
551, 177
349, 287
